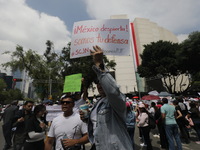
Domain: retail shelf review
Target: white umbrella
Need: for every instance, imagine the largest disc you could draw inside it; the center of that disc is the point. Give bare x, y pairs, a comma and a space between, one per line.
153, 93
164, 94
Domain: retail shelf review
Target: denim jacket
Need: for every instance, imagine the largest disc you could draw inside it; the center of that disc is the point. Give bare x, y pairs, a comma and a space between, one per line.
111, 132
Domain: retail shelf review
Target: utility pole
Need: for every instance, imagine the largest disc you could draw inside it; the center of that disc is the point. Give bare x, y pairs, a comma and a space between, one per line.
50, 84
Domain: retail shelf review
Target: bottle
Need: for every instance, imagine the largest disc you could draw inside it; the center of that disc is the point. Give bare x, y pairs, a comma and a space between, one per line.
61, 140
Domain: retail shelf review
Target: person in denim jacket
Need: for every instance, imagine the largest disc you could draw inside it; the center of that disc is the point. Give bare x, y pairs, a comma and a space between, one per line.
106, 123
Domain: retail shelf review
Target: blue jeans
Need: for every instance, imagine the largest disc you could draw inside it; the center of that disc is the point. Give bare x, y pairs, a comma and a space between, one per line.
172, 133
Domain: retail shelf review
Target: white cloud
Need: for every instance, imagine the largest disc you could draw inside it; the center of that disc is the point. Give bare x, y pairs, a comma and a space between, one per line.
180, 17
182, 37
22, 25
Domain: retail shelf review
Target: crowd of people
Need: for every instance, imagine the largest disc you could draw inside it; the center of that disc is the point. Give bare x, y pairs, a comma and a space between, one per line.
109, 125
174, 121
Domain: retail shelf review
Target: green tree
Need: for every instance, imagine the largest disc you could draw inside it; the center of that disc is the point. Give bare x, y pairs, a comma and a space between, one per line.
2, 85
41, 68
160, 59
188, 56
189, 53
81, 65
7, 96
51, 68
2, 91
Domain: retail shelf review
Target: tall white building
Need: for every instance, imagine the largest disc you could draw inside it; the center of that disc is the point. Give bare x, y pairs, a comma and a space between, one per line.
145, 32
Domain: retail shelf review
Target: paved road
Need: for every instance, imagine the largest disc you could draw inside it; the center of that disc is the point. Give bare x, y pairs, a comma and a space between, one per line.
155, 142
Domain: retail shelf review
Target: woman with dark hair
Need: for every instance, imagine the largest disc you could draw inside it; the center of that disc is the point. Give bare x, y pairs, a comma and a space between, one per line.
144, 126
35, 128
130, 122
153, 109
182, 122
195, 116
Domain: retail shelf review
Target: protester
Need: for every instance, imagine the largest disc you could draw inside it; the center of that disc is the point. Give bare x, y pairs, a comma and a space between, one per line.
152, 111
67, 128
35, 128
195, 116
130, 121
182, 122
144, 126
160, 125
21, 118
138, 112
182, 106
8, 118
106, 122
171, 127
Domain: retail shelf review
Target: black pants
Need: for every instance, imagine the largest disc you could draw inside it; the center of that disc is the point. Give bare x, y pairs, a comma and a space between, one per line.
184, 132
93, 147
145, 133
39, 145
163, 138
7, 133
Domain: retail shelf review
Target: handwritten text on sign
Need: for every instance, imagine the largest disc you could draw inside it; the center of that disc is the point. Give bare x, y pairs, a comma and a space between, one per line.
111, 35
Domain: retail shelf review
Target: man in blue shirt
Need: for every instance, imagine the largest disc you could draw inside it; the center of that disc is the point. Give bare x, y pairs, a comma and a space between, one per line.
171, 128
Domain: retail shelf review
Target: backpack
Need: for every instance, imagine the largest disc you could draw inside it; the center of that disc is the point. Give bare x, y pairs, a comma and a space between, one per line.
130, 120
152, 121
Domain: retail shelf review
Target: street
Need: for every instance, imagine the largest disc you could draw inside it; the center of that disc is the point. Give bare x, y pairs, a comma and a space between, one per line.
155, 142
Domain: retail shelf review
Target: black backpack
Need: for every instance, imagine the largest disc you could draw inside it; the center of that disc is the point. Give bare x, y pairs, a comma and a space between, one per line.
152, 121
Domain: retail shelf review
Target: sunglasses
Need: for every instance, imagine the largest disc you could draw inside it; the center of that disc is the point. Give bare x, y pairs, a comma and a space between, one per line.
66, 102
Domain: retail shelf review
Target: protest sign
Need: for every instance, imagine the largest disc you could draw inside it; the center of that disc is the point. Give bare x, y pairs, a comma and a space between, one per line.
72, 83
112, 35
53, 111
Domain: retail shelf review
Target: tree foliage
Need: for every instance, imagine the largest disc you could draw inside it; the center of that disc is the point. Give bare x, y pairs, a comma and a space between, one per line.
160, 59
39, 68
52, 66
2, 85
81, 65
190, 53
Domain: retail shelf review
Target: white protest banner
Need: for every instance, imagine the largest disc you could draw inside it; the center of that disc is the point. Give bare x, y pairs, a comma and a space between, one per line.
53, 111
112, 35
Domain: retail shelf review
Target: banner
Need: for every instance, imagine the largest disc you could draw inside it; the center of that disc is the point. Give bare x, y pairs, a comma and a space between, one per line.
53, 111
111, 35
72, 83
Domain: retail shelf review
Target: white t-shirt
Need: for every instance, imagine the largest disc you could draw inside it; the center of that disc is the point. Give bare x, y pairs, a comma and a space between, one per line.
152, 111
77, 105
71, 127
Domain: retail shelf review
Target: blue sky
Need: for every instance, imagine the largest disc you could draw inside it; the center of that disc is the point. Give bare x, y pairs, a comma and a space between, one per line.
30, 23
69, 11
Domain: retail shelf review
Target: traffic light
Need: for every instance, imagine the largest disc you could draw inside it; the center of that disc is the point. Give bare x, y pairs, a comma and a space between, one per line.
16, 80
